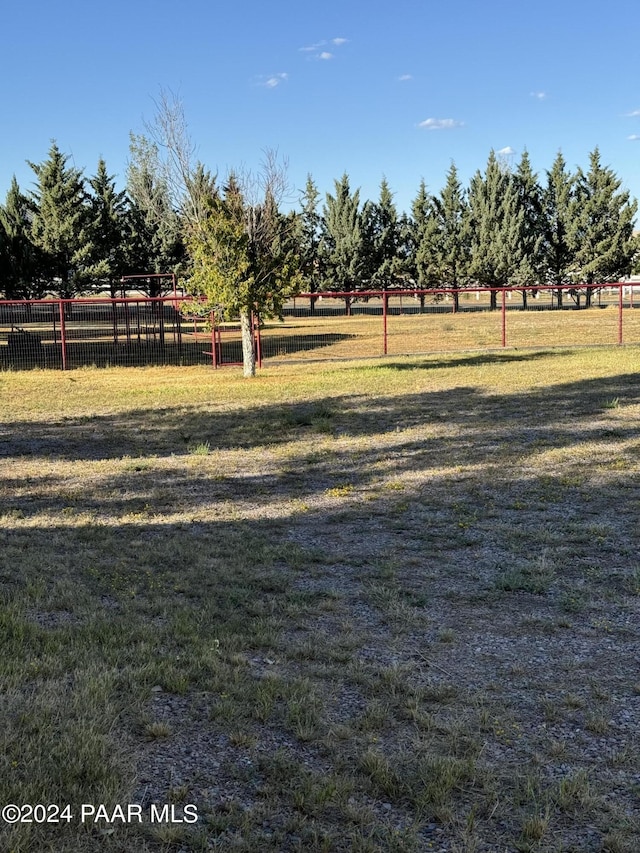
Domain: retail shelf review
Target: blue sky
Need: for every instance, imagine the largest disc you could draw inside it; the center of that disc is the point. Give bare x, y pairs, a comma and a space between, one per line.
396, 89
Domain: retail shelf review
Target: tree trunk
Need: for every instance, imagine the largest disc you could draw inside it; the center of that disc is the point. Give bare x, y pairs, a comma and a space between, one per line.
248, 352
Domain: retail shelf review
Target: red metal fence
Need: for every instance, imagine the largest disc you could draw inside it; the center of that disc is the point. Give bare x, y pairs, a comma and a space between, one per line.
138, 331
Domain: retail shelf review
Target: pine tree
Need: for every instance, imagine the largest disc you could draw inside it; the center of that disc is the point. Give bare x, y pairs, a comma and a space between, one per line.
529, 201
309, 239
342, 243
602, 226
107, 227
21, 263
421, 213
496, 223
382, 241
245, 257
155, 230
557, 252
60, 223
444, 252
201, 188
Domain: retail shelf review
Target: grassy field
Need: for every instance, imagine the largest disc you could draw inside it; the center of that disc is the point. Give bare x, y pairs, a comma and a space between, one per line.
360, 336
382, 606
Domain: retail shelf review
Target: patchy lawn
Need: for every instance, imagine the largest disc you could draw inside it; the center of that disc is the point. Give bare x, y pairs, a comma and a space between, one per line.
390, 606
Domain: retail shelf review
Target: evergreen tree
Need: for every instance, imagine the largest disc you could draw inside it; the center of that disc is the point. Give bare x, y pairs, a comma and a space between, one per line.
496, 224
60, 224
309, 239
601, 226
418, 222
245, 257
382, 241
342, 243
201, 189
557, 252
444, 252
155, 230
21, 263
107, 226
405, 248
529, 202
421, 209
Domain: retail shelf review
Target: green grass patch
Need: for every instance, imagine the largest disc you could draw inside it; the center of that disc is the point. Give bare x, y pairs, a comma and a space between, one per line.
374, 606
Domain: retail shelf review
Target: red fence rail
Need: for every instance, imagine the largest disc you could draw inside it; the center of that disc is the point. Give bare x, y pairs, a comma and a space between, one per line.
136, 331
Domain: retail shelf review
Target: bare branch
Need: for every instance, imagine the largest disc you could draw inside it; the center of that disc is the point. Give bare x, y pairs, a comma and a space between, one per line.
188, 182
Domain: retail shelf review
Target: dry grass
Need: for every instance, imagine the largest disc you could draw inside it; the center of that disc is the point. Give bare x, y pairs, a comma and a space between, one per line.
361, 335
376, 607
343, 337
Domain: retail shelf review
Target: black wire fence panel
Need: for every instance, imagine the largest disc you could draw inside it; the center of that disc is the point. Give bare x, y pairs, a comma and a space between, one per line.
77, 333
64, 334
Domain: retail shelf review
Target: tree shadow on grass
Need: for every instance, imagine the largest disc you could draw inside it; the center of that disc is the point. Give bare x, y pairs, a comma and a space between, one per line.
275, 346
457, 428
473, 360
179, 430
332, 526
154, 352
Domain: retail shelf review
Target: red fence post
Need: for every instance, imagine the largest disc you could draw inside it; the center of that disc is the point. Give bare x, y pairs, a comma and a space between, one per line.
256, 326
63, 336
384, 323
214, 361
620, 313
504, 317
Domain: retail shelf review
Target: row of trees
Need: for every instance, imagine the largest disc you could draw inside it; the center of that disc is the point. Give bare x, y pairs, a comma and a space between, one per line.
506, 228
71, 236
232, 242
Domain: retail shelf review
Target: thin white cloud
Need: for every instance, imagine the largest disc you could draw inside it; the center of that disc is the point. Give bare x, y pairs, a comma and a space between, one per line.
440, 123
540, 96
316, 51
404, 77
633, 114
635, 137
273, 80
506, 151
